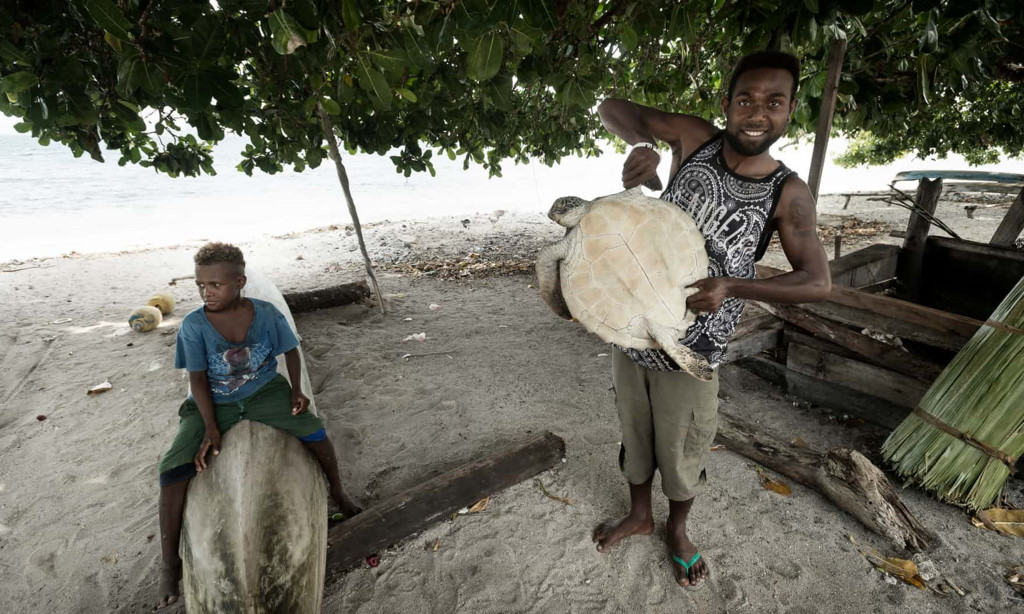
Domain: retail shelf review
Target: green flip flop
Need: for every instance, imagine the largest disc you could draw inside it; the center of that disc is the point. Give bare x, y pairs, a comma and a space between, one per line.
687, 566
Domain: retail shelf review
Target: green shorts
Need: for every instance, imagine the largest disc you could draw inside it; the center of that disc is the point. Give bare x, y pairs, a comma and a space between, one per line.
669, 421
271, 405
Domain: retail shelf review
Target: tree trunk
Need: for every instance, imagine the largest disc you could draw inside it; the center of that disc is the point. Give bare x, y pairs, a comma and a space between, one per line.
332, 145
844, 476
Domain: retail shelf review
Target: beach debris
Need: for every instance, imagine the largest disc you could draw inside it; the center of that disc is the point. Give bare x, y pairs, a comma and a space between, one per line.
299, 257
461, 512
1002, 520
145, 319
100, 388
530, 287
496, 215
60, 321
772, 484
465, 223
798, 443
416, 337
437, 544
407, 319
1015, 576
175, 280
447, 353
551, 496
373, 560
434, 307
41, 417
150, 537
901, 569
407, 241
129, 344
162, 301
716, 448
503, 326
49, 339
601, 355
480, 506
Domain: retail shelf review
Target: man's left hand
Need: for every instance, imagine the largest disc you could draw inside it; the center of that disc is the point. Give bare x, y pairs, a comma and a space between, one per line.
300, 403
711, 292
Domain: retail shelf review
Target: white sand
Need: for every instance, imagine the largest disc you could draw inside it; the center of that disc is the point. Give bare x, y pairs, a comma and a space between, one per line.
78, 491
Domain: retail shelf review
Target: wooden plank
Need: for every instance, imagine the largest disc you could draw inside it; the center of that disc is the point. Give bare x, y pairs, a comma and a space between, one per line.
875, 352
394, 519
1012, 224
752, 344
891, 315
825, 113
908, 269
960, 176
968, 278
865, 266
331, 296
869, 379
827, 394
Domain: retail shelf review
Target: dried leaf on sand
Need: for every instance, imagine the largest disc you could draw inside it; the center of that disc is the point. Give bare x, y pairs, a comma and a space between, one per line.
1005, 521
774, 485
551, 496
480, 506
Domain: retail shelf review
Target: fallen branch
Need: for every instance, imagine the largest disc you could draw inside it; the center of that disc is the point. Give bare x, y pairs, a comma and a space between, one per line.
844, 476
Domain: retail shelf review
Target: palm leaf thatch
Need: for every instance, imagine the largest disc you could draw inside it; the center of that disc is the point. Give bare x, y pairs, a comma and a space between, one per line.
964, 438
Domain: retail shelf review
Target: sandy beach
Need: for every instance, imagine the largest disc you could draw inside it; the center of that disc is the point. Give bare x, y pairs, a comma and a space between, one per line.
78, 488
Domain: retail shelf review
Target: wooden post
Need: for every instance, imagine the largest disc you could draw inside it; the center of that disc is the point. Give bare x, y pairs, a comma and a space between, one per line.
1013, 222
908, 271
395, 519
828, 108
332, 145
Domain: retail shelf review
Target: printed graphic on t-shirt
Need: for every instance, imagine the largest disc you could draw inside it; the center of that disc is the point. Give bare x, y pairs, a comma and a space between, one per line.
233, 368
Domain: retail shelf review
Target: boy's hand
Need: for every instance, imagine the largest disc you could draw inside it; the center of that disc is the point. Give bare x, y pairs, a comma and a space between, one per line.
210, 442
300, 403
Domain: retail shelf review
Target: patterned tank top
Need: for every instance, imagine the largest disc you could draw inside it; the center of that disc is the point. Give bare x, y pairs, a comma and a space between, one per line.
734, 213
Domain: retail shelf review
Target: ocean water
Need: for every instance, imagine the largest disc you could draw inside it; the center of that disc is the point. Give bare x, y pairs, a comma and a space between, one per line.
52, 203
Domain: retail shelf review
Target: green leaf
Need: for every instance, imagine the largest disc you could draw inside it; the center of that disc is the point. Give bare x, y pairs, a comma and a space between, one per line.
390, 60
228, 94
111, 40
628, 37
350, 14
374, 84
22, 127
407, 94
18, 82
330, 106
929, 40
107, 16
812, 6
197, 92
288, 34
499, 92
923, 80
485, 55
130, 118
12, 54
207, 37
148, 76
414, 49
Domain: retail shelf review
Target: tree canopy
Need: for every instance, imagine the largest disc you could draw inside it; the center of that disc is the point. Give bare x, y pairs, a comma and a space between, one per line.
156, 83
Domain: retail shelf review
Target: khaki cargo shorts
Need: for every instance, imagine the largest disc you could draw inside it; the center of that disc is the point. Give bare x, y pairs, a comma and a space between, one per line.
669, 420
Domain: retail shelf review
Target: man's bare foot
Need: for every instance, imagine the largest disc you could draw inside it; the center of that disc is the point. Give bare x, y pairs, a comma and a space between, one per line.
347, 506
680, 545
170, 576
611, 532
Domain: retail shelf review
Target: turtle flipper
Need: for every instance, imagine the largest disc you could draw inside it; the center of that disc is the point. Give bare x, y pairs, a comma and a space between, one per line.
548, 278
688, 360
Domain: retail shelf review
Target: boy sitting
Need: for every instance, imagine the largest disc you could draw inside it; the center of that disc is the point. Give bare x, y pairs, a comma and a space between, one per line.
229, 347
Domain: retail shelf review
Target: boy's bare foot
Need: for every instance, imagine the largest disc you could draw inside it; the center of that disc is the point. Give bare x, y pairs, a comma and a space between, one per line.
611, 532
348, 506
169, 591
680, 545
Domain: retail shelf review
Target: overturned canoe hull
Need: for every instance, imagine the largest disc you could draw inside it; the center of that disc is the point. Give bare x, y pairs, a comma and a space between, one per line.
254, 537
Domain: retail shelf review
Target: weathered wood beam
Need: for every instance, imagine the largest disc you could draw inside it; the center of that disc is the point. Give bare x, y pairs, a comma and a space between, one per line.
876, 352
827, 394
866, 266
844, 476
891, 315
826, 113
753, 343
861, 376
908, 270
394, 519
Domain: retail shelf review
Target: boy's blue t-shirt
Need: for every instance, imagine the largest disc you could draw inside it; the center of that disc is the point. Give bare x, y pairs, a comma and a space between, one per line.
235, 370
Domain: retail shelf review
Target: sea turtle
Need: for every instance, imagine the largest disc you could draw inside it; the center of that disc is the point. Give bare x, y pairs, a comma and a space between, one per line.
622, 270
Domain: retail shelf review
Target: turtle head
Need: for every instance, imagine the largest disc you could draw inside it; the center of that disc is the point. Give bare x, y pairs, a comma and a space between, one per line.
568, 210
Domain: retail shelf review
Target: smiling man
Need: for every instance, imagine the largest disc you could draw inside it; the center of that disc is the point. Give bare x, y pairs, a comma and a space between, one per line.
738, 195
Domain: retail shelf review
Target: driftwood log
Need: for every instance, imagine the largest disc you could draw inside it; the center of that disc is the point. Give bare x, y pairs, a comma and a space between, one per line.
844, 476
395, 519
331, 296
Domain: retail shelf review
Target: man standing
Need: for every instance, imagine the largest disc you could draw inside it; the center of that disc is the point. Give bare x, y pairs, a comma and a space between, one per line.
738, 195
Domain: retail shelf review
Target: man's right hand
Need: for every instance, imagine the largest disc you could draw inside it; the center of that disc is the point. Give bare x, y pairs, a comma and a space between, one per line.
211, 441
641, 165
